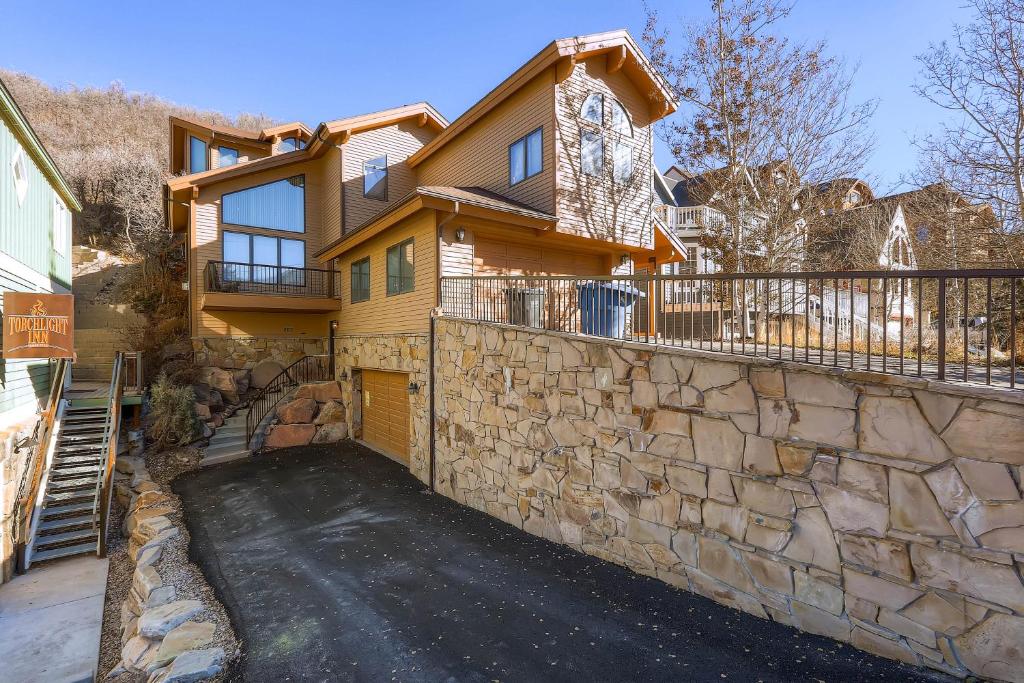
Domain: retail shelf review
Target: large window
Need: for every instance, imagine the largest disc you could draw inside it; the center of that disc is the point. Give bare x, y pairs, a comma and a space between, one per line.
228, 156
593, 109
375, 178
360, 280
196, 155
598, 122
279, 205
263, 259
526, 157
288, 145
401, 269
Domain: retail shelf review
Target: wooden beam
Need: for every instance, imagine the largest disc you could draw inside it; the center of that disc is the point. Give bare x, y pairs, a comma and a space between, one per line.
346, 135
422, 119
564, 68
616, 58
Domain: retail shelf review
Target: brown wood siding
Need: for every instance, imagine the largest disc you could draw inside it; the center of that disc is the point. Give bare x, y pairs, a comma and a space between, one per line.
207, 245
591, 209
409, 312
397, 141
330, 196
479, 155
532, 257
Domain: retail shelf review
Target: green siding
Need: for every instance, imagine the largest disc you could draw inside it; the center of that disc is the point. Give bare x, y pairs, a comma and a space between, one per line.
26, 230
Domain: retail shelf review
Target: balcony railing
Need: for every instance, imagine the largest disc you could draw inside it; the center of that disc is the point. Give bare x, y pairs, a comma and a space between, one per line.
248, 278
690, 217
963, 325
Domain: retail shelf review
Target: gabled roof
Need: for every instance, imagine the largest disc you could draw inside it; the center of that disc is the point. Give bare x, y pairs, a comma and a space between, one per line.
471, 201
634, 64
338, 130
295, 126
22, 130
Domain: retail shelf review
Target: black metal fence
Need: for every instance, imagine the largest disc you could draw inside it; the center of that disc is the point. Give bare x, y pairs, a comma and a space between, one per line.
251, 278
307, 369
949, 325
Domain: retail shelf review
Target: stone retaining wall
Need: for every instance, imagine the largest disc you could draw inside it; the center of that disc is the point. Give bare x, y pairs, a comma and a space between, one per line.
880, 511
13, 462
397, 352
245, 352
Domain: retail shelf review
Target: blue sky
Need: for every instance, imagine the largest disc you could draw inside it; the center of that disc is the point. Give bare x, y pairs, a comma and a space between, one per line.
315, 61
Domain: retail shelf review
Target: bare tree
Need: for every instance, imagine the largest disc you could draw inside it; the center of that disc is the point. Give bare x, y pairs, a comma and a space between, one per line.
978, 77
761, 118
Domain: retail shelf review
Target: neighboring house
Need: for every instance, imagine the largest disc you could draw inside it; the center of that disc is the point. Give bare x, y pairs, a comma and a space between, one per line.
359, 225
36, 204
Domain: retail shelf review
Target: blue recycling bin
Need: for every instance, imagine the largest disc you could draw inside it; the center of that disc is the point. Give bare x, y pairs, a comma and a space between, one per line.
603, 307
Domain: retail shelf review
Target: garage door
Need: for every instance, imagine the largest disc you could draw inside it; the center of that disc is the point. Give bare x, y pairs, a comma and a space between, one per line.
386, 412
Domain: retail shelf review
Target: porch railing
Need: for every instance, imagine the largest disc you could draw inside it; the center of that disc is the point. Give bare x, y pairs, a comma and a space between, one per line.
251, 278
307, 369
964, 325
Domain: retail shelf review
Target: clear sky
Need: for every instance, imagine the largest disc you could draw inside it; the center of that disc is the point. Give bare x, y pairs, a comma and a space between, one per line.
315, 61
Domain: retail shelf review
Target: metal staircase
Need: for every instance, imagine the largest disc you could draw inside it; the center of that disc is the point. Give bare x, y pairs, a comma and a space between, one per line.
75, 471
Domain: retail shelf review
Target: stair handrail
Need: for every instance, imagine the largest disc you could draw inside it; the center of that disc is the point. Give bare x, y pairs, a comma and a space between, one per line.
30, 505
315, 368
111, 429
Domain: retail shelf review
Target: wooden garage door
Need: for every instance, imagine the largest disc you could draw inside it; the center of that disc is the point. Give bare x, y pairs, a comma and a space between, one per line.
386, 412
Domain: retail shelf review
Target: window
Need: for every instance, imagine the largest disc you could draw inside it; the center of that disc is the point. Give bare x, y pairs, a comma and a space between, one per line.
526, 157
360, 280
278, 205
591, 152
196, 155
262, 259
61, 227
288, 145
922, 233
622, 162
19, 171
620, 120
228, 156
400, 267
375, 178
593, 109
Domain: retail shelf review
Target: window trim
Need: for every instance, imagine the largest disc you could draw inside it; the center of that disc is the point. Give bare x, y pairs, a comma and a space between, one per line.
295, 147
61, 226
387, 178
525, 140
20, 187
305, 214
352, 280
387, 274
206, 154
220, 155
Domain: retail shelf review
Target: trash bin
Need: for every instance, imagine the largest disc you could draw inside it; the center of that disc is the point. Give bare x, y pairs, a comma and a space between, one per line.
603, 307
525, 306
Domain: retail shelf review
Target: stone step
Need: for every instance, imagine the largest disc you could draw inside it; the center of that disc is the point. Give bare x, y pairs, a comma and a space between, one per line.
222, 457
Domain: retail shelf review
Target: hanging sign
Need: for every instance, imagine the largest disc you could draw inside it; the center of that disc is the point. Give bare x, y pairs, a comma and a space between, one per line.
38, 325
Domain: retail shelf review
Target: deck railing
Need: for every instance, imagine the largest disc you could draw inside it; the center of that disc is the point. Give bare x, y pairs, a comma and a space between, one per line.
250, 278
962, 325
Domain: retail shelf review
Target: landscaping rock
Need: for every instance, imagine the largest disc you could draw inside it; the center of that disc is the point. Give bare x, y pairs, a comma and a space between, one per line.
242, 381
202, 411
263, 372
331, 433
285, 435
192, 665
322, 392
330, 412
138, 652
187, 636
157, 622
298, 411
221, 380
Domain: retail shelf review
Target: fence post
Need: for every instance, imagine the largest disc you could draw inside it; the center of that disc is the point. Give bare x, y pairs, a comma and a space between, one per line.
942, 328
332, 327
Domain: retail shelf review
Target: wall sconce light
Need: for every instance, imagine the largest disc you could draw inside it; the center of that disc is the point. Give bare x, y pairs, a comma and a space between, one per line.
624, 260
342, 375
460, 234
414, 388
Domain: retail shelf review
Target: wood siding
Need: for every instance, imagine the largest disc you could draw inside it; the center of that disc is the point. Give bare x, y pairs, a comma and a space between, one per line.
409, 312
479, 155
207, 245
330, 195
593, 207
397, 141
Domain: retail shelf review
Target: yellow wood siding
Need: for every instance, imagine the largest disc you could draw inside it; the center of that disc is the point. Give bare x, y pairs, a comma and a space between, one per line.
409, 312
206, 245
594, 209
330, 196
479, 156
397, 141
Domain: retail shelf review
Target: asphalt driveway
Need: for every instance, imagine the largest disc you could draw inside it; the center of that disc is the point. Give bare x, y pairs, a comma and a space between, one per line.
336, 564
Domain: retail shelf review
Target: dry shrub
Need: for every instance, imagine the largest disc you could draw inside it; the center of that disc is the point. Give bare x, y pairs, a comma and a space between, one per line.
172, 414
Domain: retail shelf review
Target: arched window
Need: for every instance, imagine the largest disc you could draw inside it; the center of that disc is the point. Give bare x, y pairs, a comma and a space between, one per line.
593, 109
620, 119
288, 145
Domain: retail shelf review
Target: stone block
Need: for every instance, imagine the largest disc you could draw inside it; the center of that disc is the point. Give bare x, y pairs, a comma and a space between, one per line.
157, 622
322, 392
883, 647
760, 457
768, 383
818, 593
795, 460
191, 665
642, 531
735, 398
769, 573
297, 411
988, 480
764, 497
330, 412
813, 620
913, 508
687, 481
710, 374
907, 628
938, 409
950, 490
812, 541
287, 435
943, 613
774, 418
951, 571
710, 588
993, 649
888, 557
878, 590
728, 519
812, 388
684, 545
669, 422
849, 512
718, 560
331, 433
894, 426
864, 478
717, 442
824, 424
1003, 436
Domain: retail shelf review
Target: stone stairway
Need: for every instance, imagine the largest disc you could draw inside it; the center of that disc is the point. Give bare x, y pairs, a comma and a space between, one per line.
228, 443
67, 522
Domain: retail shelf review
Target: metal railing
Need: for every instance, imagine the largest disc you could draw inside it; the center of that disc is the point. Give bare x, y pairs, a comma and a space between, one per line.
964, 325
307, 369
134, 380
250, 278
30, 502
108, 453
